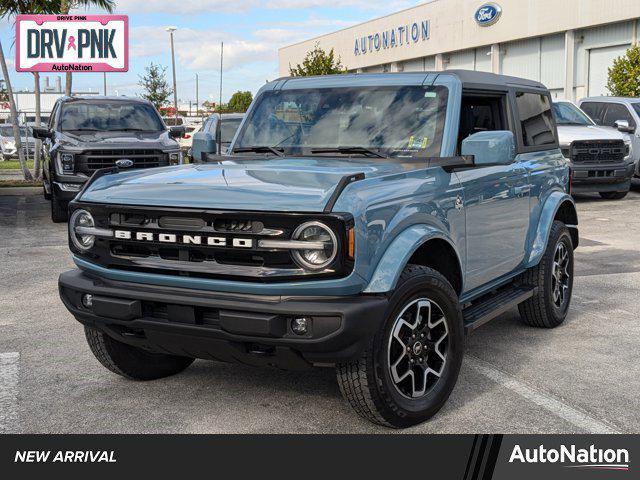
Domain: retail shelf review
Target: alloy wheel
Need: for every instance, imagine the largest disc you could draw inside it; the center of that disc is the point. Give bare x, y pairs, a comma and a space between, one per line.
417, 349
560, 276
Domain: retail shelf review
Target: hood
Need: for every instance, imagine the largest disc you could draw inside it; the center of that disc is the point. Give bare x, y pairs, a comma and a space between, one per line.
570, 133
106, 140
291, 184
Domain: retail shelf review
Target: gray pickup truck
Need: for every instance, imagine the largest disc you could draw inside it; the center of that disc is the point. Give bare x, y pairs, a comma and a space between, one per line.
601, 157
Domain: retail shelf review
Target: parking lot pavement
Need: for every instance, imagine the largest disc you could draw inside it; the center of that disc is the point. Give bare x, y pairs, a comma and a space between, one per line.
581, 377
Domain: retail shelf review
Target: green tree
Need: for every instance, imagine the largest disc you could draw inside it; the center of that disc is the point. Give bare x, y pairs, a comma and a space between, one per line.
624, 75
240, 101
318, 62
155, 85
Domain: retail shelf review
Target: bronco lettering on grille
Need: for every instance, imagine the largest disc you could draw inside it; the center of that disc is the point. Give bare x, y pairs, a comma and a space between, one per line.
182, 239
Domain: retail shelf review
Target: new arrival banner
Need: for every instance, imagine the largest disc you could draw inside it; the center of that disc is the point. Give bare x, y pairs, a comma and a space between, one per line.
77, 43
443, 457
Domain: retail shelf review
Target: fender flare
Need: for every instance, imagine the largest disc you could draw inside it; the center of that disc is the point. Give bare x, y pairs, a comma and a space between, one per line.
397, 255
548, 213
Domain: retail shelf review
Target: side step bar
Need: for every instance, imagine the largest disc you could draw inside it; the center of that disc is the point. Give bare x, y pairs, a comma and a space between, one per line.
485, 310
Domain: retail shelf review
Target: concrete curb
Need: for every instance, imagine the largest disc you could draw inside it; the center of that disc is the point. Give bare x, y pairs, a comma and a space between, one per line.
20, 191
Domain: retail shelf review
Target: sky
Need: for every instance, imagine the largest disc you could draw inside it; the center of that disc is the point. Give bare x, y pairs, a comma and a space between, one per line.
252, 31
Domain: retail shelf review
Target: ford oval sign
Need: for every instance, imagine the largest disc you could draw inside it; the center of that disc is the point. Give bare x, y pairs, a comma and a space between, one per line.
124, 163
488, 14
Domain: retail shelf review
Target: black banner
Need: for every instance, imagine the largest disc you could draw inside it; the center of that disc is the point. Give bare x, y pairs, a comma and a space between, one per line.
456, 457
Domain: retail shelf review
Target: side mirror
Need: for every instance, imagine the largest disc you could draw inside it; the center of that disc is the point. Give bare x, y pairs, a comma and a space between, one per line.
177, 131
41, 133
624, 127
490, 148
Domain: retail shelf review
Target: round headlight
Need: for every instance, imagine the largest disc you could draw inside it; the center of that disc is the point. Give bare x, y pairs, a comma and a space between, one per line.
315, 258
81, 219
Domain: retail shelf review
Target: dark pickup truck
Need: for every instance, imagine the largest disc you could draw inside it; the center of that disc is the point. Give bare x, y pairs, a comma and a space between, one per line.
86, 134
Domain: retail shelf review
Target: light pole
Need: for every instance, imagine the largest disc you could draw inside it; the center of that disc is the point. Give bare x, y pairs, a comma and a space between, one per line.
173, 66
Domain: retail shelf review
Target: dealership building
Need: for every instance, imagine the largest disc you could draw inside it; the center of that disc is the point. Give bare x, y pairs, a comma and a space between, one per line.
568, 45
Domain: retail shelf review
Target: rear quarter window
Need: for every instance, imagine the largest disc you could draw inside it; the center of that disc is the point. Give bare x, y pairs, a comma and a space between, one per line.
536, 119
594, 110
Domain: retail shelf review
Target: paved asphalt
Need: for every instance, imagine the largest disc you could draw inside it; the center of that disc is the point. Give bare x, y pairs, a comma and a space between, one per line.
581, 377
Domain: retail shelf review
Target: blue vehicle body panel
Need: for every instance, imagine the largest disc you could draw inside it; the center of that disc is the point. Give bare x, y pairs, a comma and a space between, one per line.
387, 273
496, 217
204, 141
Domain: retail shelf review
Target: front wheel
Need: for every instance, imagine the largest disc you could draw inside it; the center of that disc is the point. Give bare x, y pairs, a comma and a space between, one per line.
59, 212
132, 362
411, 365
613, 195
553, 278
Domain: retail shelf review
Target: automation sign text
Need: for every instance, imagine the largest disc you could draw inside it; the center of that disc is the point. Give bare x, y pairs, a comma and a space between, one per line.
403, 35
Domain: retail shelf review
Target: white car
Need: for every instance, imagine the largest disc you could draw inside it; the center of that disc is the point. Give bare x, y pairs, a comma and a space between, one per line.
8, 143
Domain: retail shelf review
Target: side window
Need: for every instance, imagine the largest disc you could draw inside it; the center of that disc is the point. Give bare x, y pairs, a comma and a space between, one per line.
52, 118
594, 110
536, 119
481, 113
615, 112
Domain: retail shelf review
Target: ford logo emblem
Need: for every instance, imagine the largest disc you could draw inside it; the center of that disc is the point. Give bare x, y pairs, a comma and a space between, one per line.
488, 14
124, 163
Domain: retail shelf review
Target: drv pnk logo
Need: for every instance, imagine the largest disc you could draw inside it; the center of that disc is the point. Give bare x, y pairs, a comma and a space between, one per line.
90, 43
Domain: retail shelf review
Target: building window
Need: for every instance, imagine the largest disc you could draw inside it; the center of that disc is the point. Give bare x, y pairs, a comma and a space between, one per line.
536, 119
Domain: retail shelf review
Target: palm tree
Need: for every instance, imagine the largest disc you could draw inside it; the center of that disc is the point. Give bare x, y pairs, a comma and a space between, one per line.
10, 9
65, 6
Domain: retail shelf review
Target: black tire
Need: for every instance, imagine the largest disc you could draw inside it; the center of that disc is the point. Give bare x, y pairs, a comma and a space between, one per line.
131, 362
613, 195
59, 213
542, 310
367, 383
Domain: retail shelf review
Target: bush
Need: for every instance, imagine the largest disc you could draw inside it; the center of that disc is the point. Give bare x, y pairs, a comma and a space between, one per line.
624, 75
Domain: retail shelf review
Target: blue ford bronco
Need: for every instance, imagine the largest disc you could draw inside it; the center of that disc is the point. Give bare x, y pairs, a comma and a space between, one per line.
362, 222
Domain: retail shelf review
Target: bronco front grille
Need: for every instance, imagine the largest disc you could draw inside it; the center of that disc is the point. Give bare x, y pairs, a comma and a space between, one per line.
92, 160
598, 151
221, 244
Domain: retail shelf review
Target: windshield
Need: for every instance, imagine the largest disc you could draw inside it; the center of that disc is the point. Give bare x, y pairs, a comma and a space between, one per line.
636, 107
568, 114
107, 116
395, 121
7, 131
228, 129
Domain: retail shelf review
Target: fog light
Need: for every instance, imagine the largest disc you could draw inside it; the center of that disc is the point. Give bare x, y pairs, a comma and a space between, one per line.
300, 326
87, 300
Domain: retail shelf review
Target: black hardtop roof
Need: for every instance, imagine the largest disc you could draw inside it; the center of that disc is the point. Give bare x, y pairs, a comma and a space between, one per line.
468, 78
472, 77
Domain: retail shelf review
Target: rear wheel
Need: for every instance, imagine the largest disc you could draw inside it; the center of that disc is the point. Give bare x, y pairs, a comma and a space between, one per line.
131, 362
411, 365
613, 195
553, 277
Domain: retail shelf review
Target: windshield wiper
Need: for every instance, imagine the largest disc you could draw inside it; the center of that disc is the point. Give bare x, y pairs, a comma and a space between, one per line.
260, 149
362, 150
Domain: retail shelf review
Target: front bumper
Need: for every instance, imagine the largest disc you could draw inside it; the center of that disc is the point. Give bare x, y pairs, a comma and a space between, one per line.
251, 329
601, 178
